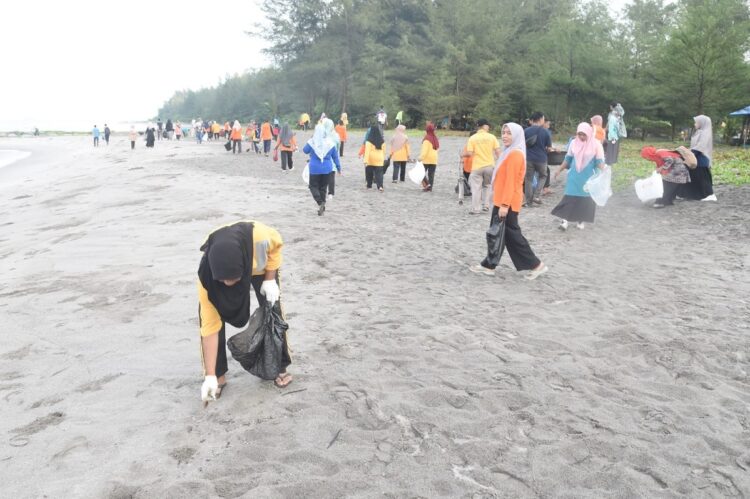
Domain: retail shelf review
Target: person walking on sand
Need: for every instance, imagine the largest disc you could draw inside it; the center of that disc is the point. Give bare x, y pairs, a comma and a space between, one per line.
374, 157
400, 153
236, 137
159, 126
178, 130
484, 148
323, 156
95, 134
169, 128
150, 136
341, 132
507, 185
266, 135
331, 134
584, 156
133, 136
382, 118
304, 121
286, 144
538, 144
236, 258
107, 133
615, 131
428, 155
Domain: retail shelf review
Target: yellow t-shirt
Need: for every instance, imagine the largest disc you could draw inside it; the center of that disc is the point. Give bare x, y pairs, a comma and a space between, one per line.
372, 156
483, 145
402, 154
428, 155
267, 246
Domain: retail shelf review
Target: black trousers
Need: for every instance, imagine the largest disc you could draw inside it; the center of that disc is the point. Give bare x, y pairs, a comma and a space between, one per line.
671, 190
430, 169
341, 149
236, 144
520, 252
546, 182
399, 170
374, 173
286, 160
221, 357
266, 146
319, 186
332, 183
132, 144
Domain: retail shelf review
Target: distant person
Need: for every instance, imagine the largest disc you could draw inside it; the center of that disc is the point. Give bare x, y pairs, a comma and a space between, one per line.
253, 137
266, 135
198, 130
133, 136
584, 156
304, 121
286, 144
323, 159
331, 134
227, 130
216, 130
538, 144
236, 258
615, 132
36, 132
382, 118
399, 118
150, 136
599, 133
341, 131
428, 155
483, 148
178, 130
169, 128
374, 157
701, 184
159, 127
400, 153
236, 137
507, 186
95, 133
107, 133
345, 119
546, 190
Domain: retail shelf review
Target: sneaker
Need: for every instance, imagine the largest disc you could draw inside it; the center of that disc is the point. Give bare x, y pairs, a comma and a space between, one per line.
563, 225
485, 208
581, 225
478, 269
330, 196
394, 181
321, 209
712, 197
381, 189
533, 274
658, 205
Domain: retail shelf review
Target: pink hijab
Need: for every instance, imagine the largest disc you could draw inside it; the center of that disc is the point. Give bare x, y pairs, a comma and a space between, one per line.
585, 150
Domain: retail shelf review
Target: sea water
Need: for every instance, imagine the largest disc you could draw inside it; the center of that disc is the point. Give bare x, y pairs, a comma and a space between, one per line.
9, 156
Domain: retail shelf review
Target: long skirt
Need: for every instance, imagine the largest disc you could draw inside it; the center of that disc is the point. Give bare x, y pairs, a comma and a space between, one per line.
701, 184
611, 152
575, 209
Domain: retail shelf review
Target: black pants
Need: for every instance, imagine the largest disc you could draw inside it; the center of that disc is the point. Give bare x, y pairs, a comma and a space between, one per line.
106, 138
374, 173
286, 160
546, 182
236, 145
671, 190
341, 149
96, 141
332, 183
430, 169
532, 168
520, 252
221, 357
318, 187
399, 170
266, 146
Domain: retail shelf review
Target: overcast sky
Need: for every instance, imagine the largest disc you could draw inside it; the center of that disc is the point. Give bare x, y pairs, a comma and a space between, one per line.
119, 61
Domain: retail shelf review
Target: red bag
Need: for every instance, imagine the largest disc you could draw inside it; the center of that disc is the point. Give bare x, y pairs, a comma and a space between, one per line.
275, 154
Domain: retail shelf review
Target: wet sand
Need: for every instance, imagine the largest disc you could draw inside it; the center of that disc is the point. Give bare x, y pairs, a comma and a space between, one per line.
622, 372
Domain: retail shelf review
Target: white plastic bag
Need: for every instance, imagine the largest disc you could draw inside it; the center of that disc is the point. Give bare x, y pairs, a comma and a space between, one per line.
306, 174
599, 186
416, 174
649, 188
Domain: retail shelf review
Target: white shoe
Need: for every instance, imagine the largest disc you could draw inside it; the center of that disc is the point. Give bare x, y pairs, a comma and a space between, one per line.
563, 225
536, 272
330, 196
478, 269
581, 225
712, 197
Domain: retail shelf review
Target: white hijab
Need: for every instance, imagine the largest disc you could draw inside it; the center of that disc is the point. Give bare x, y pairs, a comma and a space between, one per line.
320, 142
703, 139
518, 143
237, 125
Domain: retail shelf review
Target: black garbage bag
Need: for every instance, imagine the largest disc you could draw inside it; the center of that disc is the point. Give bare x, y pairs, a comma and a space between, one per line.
495, 242
261, 348
228, 145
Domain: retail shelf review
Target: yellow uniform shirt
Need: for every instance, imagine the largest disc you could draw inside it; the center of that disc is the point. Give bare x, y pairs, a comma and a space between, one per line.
428, 155
402, 154
372, 156
267, 246
483, 145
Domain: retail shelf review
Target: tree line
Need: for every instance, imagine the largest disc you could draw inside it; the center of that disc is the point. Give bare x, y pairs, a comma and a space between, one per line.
453, 61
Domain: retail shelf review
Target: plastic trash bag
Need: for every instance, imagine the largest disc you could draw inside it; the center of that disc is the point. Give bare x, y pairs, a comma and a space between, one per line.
416, 174
261, 348
495, 242
306, 174
649, 188
599, 186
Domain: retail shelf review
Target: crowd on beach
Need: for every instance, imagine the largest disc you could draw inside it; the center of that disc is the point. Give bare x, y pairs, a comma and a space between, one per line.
502, 176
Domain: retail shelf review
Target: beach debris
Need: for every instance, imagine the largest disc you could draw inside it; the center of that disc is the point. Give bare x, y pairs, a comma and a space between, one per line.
335, 437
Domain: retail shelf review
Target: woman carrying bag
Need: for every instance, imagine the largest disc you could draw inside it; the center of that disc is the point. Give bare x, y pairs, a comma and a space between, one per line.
507, 187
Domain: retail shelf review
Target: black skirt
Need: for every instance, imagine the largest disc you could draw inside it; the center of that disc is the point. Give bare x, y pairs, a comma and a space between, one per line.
701, 184
575, 209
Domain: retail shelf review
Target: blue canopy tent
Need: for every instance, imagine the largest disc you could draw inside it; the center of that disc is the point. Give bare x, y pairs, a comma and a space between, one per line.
746, 113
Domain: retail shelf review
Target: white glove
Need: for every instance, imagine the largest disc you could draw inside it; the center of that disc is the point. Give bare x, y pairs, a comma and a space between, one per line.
209, 388
271, 291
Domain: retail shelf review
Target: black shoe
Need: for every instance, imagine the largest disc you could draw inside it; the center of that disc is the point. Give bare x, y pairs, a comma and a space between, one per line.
321, 209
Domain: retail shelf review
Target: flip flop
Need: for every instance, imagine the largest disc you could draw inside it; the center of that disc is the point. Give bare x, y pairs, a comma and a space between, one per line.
283, 377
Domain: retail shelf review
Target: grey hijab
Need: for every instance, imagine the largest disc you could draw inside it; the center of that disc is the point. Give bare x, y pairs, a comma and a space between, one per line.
703, 139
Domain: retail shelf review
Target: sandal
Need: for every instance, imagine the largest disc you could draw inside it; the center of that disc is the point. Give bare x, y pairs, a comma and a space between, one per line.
283, 380
219, 390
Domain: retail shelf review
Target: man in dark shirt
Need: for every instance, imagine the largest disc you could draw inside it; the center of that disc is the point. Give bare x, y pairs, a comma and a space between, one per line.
538, 142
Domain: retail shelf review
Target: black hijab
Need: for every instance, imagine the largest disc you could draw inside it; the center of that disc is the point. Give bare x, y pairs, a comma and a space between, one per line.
375, 138
228, 254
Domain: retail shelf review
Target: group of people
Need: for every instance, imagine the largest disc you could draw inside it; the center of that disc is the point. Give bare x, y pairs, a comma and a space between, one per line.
96, 134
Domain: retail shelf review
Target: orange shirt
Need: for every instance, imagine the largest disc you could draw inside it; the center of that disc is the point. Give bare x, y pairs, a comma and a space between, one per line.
467, 162
599, 133
265, 131
282, 147
236, 134
508, 187
341, 130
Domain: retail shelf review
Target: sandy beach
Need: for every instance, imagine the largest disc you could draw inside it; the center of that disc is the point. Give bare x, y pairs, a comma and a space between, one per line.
622, 372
